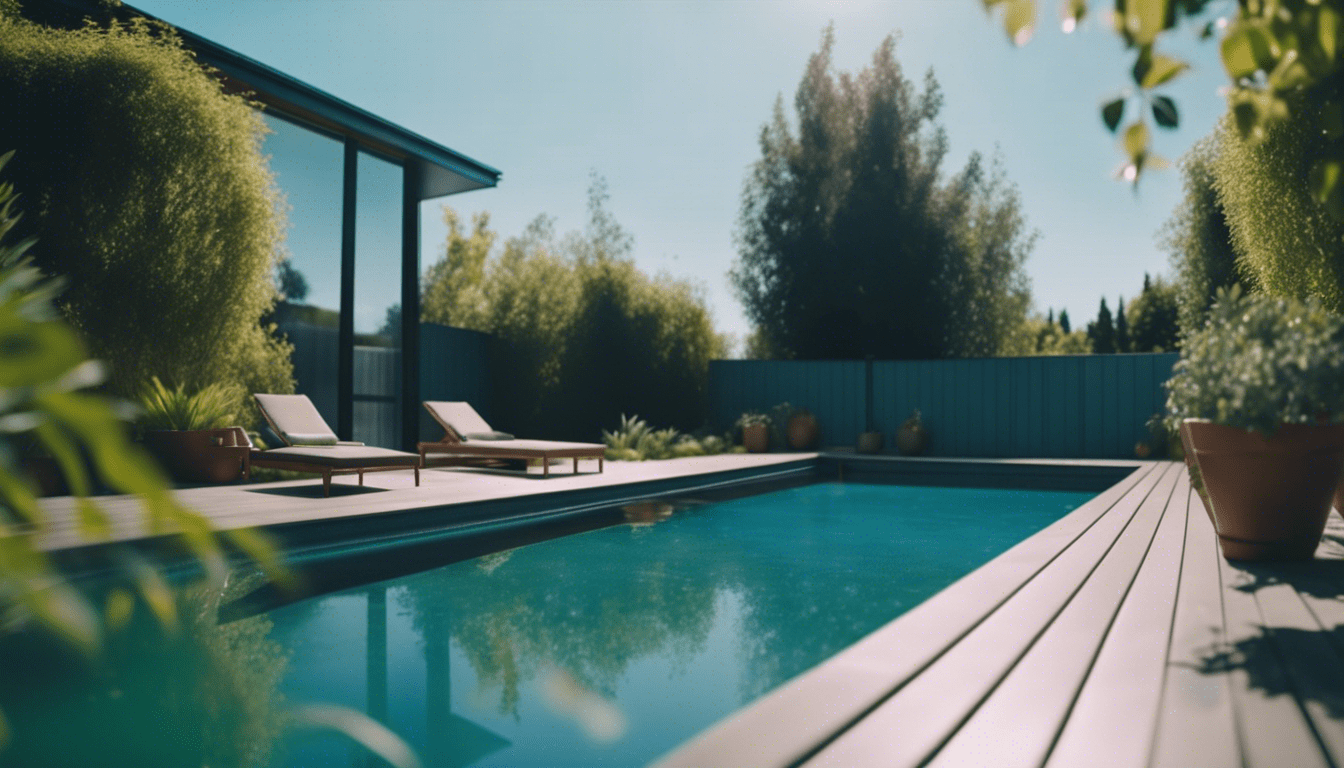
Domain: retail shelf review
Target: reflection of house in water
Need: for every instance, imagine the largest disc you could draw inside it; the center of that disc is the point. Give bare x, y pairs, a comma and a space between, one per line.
450, 741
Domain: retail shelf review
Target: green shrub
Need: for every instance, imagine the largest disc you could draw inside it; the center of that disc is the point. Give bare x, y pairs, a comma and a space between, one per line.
1197, 238
148, 188
585, 335
207, 408
1259, 362
635, 440
1286, 242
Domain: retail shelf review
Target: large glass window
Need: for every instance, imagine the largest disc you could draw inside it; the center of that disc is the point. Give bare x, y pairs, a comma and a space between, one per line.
377, 385
309, 169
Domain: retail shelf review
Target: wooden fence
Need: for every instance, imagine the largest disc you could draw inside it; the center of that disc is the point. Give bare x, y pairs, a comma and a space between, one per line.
1076, 406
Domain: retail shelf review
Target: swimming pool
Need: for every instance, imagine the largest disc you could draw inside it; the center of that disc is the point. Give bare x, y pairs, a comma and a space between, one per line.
606, 647
613, 646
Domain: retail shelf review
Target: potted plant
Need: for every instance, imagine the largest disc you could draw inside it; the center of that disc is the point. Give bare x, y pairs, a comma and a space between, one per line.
755, 429
795, 427
1259, 398
188, 432
912, 438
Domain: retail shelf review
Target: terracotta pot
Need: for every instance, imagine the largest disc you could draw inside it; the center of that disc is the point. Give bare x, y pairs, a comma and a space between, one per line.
912, 440
756, 438
1188, 455
869, 442
199, 455
1270, 495
803, 431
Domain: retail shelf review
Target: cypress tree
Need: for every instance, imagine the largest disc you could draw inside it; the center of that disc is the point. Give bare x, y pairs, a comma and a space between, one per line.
1121, 328
1064, 324
1102, 331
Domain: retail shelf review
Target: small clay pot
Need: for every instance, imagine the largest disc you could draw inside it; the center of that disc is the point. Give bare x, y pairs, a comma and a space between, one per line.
803, 431
1270, 494
756, 438
869, 442
911, 440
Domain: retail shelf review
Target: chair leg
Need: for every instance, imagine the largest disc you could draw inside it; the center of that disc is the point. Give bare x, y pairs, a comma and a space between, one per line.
545, 466
576, 465
599, 464
361, 477
417, 476
326, 484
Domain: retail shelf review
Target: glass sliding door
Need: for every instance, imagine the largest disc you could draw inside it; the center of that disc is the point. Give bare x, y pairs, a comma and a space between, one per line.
309, 168
377, 302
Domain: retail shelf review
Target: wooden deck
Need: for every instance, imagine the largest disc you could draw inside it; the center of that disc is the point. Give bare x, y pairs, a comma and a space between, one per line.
1118, 636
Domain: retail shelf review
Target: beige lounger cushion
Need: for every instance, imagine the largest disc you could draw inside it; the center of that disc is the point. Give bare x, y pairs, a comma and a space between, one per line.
340, 456
457, 417
295, 418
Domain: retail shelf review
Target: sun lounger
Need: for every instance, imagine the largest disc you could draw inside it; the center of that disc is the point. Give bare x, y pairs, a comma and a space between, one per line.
311, 446
468, 437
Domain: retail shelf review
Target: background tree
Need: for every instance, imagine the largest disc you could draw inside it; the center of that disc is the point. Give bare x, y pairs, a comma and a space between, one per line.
148, 189
850, 241
1153, 325
1064, 324
1035, 336
585, 336
1198, 241
1102, 331
291, 283
1121, 328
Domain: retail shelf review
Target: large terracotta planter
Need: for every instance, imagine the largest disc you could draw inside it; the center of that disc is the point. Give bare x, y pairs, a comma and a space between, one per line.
1270, 496
756, 438
803, 431
200, 455
1188, 455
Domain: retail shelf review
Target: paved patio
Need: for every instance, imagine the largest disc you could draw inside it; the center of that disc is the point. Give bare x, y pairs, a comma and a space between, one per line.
446, 494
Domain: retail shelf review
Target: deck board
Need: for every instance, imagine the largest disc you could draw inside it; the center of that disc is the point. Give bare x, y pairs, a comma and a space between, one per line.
1119, 636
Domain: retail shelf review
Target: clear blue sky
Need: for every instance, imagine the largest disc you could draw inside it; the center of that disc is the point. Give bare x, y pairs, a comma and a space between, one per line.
666, 99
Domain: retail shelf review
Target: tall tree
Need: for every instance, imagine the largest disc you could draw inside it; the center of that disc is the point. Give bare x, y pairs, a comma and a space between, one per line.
1102, 331
1064, 324
1153, 317
1121, 328
852, 244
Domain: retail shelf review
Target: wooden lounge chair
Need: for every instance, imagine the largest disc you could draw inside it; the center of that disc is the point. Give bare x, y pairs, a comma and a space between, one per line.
466, 437
311, 446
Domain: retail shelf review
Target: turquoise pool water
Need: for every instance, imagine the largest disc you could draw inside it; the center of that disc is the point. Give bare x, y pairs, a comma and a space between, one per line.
613, 646
604, 648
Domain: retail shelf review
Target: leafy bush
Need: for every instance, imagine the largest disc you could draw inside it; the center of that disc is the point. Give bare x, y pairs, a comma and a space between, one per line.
1286, 241
1259, 362
1198, 240
585, 336
635, 440
206, 408
153, 201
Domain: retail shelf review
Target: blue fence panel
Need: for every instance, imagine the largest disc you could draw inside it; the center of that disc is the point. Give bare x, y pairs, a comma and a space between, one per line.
454, 365
1082, 406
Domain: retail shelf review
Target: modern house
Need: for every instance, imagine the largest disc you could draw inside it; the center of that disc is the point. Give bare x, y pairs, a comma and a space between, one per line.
354, 183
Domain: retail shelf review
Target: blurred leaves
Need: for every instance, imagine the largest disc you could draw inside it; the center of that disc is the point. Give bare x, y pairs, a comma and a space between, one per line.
1283, 58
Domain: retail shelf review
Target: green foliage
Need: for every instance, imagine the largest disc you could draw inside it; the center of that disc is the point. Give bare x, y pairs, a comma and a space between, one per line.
1122, 340
1283, 58
1260, 362
1286, 242
586, 335
850, 241
177, 408
1198, 240
1102, 331
153, 201
1037, 336
635, 440
1153, 317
